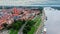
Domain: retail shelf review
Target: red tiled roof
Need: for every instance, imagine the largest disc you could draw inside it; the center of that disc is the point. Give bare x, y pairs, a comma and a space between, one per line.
2, 21
1, 27
16, 11
25, 15
15, 14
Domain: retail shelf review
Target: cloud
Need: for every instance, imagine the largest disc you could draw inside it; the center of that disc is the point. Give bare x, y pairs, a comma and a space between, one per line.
28, 2
21, 2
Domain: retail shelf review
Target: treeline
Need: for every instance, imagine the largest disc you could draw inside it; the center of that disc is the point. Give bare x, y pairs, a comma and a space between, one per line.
28, 26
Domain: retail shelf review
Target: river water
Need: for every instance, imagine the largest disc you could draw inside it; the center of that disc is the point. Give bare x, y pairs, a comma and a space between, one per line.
53, 22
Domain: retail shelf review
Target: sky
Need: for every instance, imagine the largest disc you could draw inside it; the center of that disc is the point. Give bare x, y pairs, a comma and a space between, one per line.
53, 22
29, 2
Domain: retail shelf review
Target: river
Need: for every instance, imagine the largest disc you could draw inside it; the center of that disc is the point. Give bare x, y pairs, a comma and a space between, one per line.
53, 22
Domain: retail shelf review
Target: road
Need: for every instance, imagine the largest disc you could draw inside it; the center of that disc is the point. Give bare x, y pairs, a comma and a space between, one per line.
41, 26
4, 32
21, 29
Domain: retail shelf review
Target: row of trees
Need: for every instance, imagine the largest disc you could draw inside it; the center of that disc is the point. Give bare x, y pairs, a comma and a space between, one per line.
28, 26
14, 28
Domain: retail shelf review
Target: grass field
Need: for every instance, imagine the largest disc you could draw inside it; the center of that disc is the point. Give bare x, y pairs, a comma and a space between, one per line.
34, 28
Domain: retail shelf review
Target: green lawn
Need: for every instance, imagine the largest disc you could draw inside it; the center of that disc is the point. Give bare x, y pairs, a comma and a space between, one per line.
33, 23
34, 28
12, 31
15, 27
